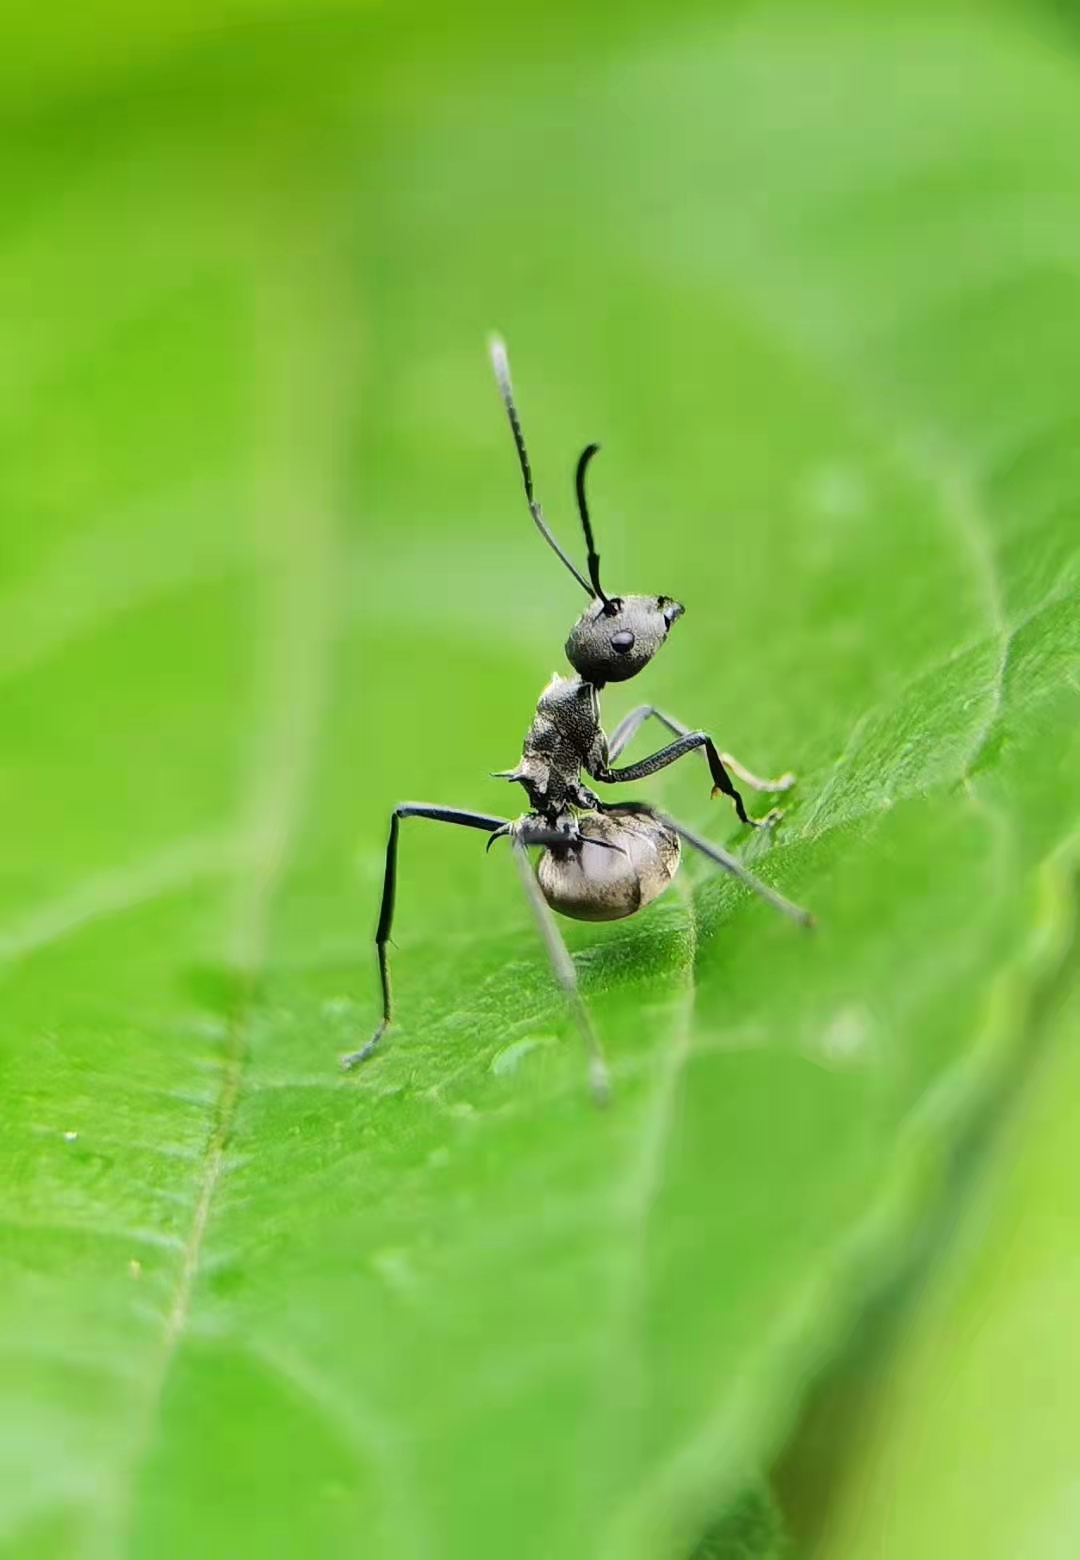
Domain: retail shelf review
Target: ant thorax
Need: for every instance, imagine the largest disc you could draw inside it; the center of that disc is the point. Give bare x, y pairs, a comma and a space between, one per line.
564, 738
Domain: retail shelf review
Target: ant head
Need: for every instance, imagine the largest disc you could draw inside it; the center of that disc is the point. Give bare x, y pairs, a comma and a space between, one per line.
614, 638
616, 635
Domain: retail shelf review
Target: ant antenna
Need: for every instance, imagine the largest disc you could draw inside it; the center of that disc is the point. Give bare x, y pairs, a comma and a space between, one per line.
501, 364
583, 510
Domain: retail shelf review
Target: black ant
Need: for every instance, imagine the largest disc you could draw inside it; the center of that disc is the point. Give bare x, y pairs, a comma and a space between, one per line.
599, 861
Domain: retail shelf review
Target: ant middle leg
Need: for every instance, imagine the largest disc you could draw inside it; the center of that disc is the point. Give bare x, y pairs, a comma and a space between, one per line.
629, 725
468, 820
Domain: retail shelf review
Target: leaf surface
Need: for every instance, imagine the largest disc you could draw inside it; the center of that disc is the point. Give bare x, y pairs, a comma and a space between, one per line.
813, 281
971, 1442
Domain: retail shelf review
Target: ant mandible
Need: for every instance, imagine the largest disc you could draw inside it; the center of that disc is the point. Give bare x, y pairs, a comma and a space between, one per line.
599, 861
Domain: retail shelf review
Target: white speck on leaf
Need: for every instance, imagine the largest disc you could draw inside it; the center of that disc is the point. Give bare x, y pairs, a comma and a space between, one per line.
509, 1058
836, 491
393, 1266
847, 1039
338, 1007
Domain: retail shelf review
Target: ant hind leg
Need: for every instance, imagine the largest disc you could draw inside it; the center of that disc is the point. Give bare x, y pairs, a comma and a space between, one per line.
566, 975
723, 858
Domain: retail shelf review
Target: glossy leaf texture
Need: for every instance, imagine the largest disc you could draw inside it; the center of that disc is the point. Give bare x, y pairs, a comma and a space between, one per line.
811, 278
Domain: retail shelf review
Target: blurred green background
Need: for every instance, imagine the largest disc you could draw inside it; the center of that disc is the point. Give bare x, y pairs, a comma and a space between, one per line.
812, 276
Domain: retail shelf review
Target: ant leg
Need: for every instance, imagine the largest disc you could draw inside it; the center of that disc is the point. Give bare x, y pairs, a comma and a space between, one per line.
469, 820
732, 864
627, 727
685, 744
782, 782
630, 723
565, 973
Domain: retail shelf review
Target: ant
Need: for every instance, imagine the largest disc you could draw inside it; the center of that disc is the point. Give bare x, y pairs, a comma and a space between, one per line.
599, 861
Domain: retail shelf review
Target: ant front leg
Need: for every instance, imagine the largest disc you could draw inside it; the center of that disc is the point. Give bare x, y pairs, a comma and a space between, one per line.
629, 725
468, 820
722, 781
719, 763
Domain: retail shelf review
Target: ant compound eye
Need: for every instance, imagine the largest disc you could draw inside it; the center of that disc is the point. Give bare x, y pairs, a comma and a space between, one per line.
622, 641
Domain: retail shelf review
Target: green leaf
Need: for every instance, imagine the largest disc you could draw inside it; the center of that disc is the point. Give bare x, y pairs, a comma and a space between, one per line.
812, 279
750, 1530
971, 1445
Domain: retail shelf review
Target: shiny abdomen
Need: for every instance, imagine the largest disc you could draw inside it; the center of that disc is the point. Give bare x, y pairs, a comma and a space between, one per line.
594, 882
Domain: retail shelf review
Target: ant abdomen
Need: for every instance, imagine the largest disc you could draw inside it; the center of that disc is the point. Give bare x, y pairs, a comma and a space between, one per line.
622, 859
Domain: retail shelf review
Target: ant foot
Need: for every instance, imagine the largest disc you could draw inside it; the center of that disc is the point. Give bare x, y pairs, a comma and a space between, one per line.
767, 822
770, 820
599, 1082
353, 1058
